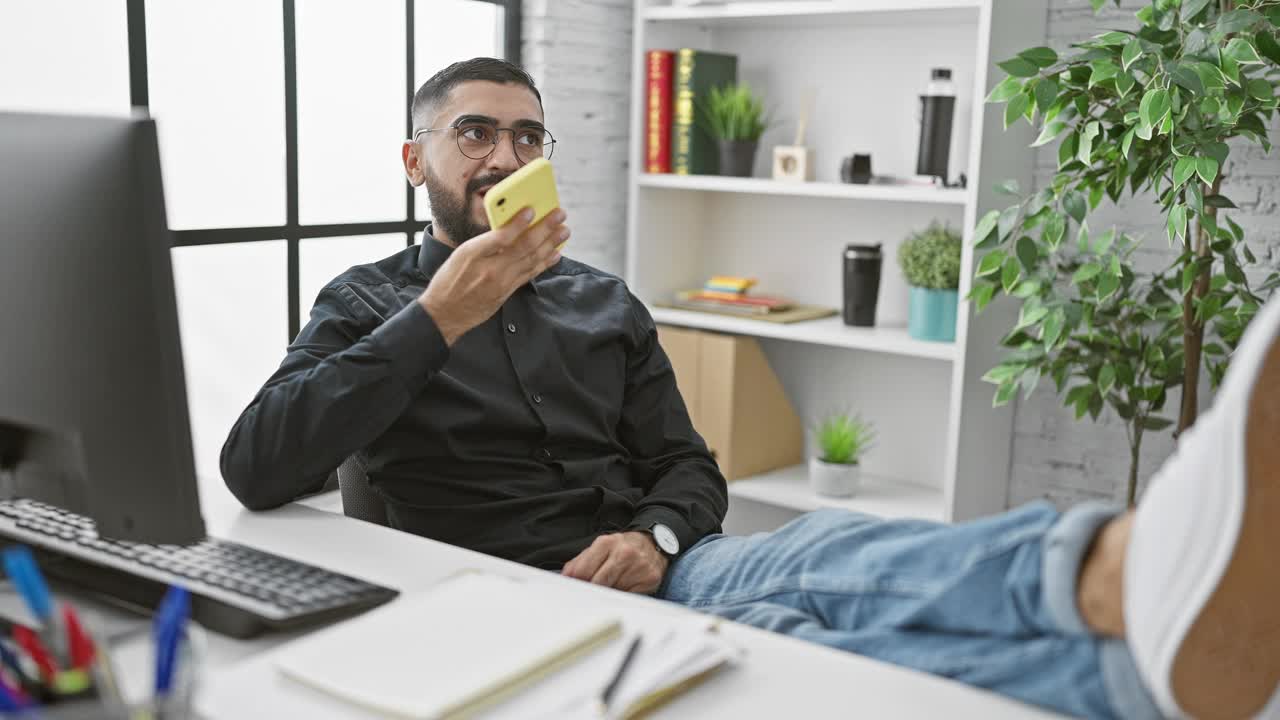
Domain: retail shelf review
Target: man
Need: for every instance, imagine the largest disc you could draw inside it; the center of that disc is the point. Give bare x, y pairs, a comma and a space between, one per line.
515, 402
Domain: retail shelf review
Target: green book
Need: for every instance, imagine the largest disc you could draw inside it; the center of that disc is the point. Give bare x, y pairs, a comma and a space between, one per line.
693, 150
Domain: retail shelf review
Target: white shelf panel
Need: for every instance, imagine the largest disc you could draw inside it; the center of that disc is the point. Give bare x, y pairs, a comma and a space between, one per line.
825, 331
761, 186
804, 11
880, 496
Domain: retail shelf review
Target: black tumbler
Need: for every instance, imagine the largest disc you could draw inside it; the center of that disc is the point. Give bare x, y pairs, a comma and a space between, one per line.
861, 284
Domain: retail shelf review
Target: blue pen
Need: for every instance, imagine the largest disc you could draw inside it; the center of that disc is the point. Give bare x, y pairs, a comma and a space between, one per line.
20, 566
9, 702
170, 621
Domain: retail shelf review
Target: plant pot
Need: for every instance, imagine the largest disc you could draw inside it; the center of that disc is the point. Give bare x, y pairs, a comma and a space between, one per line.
737, 157
931, 314
834, 479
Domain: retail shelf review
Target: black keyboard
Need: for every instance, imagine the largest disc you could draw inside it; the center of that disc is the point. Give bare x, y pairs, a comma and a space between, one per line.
235, 590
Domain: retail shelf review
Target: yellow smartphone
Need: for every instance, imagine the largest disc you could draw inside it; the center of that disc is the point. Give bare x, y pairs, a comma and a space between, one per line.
533, 185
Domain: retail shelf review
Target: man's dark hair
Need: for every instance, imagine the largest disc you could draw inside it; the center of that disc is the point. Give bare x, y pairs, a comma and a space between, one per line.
442, 83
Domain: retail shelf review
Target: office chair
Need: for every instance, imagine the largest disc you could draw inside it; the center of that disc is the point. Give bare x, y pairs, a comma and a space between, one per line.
358, 498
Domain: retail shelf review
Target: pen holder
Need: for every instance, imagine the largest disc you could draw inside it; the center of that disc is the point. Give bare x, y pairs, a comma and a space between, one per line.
125, 676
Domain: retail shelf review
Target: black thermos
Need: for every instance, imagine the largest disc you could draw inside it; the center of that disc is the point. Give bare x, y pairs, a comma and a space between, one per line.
861, 284
937, 109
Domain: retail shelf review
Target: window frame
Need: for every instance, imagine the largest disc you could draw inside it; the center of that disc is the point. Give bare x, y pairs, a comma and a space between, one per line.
293, 232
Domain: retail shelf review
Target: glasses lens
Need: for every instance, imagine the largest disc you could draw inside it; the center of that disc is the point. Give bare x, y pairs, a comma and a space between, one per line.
476, 140
532, 143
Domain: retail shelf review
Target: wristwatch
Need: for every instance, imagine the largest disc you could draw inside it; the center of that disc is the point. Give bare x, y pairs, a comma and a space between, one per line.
665, 538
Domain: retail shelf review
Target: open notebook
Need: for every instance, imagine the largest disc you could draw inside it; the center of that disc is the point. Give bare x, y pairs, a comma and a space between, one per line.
484, 646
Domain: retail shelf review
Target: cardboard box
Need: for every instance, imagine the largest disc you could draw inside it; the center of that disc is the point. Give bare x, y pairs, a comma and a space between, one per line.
735, 400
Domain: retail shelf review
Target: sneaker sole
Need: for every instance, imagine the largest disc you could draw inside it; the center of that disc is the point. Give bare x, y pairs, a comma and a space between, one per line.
1228, 664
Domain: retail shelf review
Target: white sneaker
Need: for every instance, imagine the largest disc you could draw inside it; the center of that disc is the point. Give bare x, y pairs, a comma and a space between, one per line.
1201, 590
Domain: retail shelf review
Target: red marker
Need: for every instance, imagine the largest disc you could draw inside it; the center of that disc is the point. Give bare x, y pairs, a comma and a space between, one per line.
28, 641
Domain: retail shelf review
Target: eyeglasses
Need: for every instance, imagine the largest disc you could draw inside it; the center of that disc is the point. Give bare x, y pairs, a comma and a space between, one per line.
477, 140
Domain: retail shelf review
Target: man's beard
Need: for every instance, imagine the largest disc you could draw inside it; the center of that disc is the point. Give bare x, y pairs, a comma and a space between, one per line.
451, 213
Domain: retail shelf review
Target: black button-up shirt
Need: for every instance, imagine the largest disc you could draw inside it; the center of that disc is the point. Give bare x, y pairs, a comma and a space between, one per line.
553, 422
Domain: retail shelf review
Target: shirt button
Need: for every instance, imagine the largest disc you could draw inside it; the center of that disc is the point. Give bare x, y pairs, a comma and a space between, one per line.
511, 327
544, 454
537, 399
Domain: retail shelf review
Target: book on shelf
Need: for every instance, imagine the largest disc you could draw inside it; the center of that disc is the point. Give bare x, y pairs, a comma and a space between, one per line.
658, 111
738, 305
693, 150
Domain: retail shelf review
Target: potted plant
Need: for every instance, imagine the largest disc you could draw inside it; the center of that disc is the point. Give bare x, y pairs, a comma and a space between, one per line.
734, 116
930, 260
1153, 114
842, 440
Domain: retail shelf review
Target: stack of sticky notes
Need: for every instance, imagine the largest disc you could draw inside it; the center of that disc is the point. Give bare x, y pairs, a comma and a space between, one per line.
730, 294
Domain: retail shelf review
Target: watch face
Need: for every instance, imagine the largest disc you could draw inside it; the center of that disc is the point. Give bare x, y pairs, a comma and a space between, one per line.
666, 539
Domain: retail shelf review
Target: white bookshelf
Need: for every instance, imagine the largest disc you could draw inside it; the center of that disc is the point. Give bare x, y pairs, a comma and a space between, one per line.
943, 451
839, 191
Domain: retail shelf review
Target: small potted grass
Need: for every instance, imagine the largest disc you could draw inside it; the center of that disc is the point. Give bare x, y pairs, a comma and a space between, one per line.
735, 117
841, 441
930, 261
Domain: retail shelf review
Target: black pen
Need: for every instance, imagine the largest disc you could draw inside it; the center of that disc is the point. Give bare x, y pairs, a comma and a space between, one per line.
607, 696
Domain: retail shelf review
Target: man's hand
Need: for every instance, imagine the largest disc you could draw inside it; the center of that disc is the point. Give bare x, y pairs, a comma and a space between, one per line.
627, 561
484, 271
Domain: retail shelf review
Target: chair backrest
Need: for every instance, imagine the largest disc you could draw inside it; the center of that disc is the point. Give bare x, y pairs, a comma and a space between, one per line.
358, 498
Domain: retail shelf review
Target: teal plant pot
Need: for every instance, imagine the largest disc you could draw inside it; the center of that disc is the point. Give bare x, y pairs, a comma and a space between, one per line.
931, 314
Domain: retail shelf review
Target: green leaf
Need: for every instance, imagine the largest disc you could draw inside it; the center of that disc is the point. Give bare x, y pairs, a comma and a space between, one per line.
1087, 272
1030, 315
1027, 252
1067, 150
1107, 286
982, 294
1017, 105
1086, 141
1238, 233
1242, 51
1124, 83
1207, 169
1113, 37
1233, 272
1132, 51
1177, 224
1103, 70
1008, 187
1073, 203
1237, 20
1046, 92
1039, 56
1049, 132
985, 226
1007, 88
1127, 142
1268, 46
1219, 201
1004, 225
1191, 8
1260, 89
1186, 77
1183, 170
1005, 393
1009, 275
1155, 424
991, 262
1106, 378
1019, 67
1082, 237
1055, 226
1052, 328
1154, 106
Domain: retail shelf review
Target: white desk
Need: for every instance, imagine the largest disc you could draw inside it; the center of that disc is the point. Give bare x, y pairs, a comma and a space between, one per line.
780, 677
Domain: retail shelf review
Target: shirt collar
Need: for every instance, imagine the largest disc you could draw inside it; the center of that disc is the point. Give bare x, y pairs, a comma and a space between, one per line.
433, 253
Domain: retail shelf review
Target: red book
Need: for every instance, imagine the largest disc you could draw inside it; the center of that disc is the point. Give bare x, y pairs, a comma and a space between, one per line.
657, 153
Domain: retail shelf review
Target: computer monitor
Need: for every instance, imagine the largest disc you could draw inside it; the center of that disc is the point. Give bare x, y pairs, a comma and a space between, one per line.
93, 406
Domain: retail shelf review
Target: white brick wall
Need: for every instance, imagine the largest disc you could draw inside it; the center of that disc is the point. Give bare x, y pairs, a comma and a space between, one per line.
1053, 455
579, 51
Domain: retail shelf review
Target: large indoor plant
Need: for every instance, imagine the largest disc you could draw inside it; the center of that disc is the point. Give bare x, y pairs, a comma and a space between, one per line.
930, 261
735, 117
1154, 115
841, 441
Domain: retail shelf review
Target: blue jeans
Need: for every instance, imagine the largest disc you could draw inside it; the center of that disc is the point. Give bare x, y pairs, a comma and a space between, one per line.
990, 603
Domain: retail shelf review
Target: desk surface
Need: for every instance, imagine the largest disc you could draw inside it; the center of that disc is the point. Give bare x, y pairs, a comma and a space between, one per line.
780, 677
